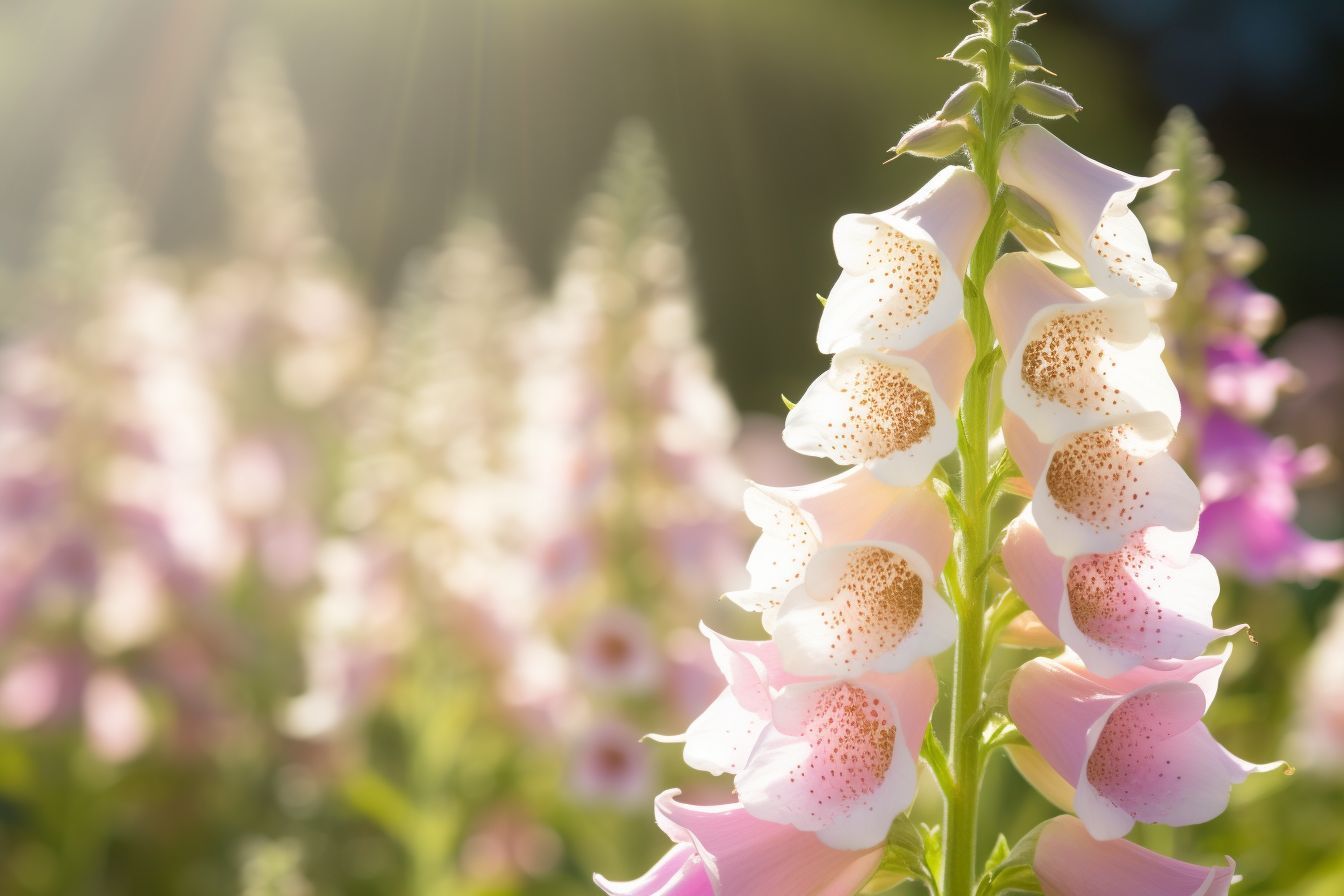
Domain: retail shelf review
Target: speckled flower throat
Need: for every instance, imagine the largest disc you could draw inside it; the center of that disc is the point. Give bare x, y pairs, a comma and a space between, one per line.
1004, 418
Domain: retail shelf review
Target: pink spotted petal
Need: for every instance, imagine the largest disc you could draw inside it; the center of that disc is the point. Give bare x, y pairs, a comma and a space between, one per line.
1069, 862
837, 759
1151, 759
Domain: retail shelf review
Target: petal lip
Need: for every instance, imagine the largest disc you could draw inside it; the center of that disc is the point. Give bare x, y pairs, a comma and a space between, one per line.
1090, 204
1069, 862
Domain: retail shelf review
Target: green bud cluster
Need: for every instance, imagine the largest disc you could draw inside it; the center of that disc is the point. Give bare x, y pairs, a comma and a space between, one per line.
957, 124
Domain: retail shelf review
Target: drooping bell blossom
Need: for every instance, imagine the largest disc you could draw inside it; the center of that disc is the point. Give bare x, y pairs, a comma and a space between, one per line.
903, 268
891, 413
868, 605
1069, 862
1095, 488
1240, 379
1149, 601
1089, 203
1133, 746
721, 850
841, 757
798, 521
834, 756
1074, 360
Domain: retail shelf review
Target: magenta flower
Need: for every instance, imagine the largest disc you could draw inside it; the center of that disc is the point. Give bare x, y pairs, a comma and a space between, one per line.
1132, 746
1069, 862
1243, 308
726, 850
1239, 378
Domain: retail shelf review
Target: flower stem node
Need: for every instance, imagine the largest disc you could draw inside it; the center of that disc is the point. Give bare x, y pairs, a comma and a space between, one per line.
1025, 58
962, 101
1045, 100
932, 139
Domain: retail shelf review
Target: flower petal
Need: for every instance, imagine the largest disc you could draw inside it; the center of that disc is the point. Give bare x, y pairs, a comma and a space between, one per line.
677, 873
903, 267
878, 410
837, 758
855, 505
1089, 202
1104, 484
1074, 363
863, 605
1069, 862
746, 856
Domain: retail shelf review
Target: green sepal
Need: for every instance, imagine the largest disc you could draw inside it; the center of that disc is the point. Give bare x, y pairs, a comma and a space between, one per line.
972, 50
962, 101
1025, 58
1046, 100
788, 404
822, 299
903, 859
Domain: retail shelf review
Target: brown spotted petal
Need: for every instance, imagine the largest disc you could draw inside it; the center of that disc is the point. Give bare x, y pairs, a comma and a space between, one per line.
863, 606
1100, 486
1074, 361
881, 411
903, 268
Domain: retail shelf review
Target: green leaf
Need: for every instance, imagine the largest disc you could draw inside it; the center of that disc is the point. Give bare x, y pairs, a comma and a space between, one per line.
933, 845
997, 854
903, 859
1027, 210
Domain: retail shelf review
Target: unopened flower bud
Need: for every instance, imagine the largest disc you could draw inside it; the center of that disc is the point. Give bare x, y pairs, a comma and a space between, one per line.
971, 51
1025, 57
1028, 210
1045, 100
932, 139
962, 101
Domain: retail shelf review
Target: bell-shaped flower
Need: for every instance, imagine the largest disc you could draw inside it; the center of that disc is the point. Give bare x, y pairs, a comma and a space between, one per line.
1133, 746
1069, 862
840, 757
892, 413
853, 506
871, 605
1095, 488
1149, 601
903, 267
1089, 202
721, 850
1075, 360
722, 737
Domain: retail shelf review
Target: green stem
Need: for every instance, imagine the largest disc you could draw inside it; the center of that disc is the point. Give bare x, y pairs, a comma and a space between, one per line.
977, 538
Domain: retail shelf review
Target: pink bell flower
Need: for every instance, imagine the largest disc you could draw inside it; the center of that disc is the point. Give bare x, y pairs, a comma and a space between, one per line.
722, 850
1069, 862
1133, 746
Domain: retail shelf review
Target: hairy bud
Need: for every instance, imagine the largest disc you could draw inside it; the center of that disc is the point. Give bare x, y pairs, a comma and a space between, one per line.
1045, 100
